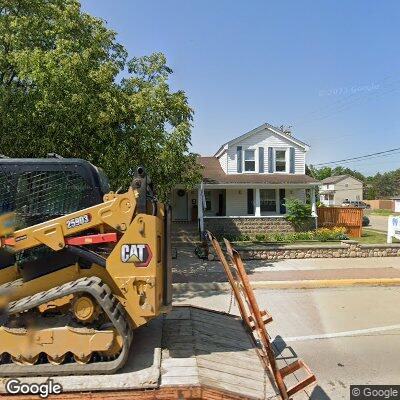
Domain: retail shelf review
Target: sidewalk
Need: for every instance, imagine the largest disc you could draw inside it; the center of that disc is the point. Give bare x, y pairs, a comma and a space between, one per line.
304, 273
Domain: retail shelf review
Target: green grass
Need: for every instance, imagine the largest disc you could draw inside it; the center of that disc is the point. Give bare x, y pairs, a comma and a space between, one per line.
384, 213
372, 237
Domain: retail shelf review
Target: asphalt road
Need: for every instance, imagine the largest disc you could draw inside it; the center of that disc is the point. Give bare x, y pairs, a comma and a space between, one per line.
347, 336
378, 223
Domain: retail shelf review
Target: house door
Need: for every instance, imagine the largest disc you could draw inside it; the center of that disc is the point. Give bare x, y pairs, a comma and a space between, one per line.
220, 204
180, 205
282, 206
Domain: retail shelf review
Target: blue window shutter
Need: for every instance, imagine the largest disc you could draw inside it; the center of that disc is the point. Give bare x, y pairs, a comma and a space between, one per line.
261, 160
239, 157
292, 160
270, 160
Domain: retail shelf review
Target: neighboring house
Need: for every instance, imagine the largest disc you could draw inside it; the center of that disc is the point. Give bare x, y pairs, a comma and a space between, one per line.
333, 191
246, 183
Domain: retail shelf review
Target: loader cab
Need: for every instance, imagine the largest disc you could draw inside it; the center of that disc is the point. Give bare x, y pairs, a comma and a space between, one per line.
44, 188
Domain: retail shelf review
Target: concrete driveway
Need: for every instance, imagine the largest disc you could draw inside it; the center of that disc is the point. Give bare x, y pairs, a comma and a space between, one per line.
378, 223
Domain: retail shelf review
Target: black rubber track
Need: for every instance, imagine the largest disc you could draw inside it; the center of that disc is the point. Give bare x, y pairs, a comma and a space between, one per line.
116, 313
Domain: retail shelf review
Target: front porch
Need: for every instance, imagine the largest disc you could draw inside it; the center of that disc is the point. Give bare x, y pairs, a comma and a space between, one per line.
240, 209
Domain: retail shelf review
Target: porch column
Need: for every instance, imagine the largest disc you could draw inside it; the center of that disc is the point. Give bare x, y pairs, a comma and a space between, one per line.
257, 209
313, 202
200, 208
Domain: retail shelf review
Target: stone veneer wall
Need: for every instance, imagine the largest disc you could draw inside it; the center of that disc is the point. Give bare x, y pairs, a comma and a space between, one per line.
347, 249
251, 225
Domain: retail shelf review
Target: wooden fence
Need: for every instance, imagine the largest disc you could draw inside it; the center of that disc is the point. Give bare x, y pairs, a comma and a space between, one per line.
348, 217
381, 204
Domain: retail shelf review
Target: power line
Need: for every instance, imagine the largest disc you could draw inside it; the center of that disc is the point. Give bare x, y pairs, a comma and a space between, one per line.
380, 153
374, 160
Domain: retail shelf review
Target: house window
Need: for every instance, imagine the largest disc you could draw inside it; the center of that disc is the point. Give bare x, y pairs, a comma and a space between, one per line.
207, 195
280, 160
249, 161
267, 200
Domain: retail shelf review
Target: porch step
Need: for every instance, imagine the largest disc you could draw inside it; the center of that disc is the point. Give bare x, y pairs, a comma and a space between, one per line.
184, 232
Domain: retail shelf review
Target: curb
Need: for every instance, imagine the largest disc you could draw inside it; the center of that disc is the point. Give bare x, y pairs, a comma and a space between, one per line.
299, 284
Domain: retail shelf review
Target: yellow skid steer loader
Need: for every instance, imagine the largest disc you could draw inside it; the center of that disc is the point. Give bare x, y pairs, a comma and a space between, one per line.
82, 268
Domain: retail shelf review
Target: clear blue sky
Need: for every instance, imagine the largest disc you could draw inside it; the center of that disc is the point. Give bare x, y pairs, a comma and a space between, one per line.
328, 68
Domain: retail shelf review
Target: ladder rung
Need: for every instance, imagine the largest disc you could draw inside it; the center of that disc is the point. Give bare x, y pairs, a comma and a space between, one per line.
266, 317
301, 385
293, 367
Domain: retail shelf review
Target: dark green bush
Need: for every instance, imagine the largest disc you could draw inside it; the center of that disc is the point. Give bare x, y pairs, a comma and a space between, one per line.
243, 238
261, 237
298, 213
278, 237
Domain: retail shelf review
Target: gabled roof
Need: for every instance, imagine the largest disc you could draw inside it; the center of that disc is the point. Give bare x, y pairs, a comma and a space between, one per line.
214, 174
336, 178
265, 125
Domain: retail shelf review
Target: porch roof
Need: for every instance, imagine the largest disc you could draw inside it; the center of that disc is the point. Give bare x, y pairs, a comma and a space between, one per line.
213, 174
327, 191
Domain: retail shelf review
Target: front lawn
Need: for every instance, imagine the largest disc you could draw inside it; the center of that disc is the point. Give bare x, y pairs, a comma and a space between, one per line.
373, 237
383, 213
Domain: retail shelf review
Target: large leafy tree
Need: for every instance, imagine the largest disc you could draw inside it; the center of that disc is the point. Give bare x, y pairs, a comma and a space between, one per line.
326, 172
384, 185
319, 173
59, 93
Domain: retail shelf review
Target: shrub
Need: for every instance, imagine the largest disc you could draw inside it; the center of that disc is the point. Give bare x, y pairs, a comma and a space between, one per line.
365, 221
243, 238
297, 212
291, 237
231, 237
261, 237
278, 237
304, 235
321, 234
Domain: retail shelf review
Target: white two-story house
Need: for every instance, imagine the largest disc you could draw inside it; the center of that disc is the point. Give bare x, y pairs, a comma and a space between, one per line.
246, 184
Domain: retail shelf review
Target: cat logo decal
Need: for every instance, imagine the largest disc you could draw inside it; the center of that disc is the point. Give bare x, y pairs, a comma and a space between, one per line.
138, 254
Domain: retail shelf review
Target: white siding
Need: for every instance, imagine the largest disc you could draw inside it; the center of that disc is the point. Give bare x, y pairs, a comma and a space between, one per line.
265, 138
299, 194
223, 160
236, 202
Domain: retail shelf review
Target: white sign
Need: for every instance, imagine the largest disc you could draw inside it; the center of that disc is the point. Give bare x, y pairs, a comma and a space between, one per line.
393, 229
